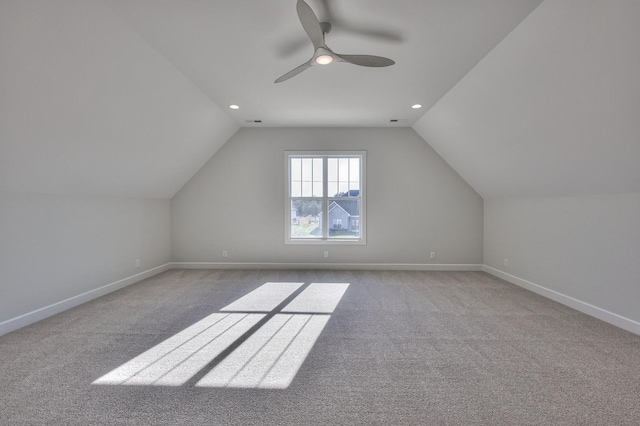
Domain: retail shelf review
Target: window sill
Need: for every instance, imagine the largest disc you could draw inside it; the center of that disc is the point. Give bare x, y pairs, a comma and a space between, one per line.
319, 241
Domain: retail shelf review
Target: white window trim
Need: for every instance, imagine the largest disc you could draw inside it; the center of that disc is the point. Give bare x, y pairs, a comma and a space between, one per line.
325, 217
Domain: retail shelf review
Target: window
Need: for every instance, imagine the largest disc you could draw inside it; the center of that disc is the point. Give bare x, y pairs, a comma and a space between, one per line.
325, 197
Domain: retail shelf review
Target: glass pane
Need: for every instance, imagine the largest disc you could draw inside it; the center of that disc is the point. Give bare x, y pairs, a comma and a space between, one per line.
354, 177
317, 169
343, 170
332, 169
354, 169
343, 189
333, 189
317, 177
307, 189
306, 169
306, 219
344, 219
296, 188
296, 169
317, 189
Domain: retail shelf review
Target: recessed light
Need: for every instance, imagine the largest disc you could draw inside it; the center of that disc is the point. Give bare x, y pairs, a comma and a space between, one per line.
393, 120
416, 106
234, 106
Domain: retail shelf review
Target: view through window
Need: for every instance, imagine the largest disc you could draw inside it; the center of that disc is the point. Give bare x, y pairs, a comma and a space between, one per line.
325, 197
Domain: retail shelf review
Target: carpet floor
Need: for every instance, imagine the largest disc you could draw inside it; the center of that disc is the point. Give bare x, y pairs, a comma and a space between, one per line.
423, 348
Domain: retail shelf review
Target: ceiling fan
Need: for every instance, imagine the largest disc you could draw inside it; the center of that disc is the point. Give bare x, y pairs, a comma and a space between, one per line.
322, 55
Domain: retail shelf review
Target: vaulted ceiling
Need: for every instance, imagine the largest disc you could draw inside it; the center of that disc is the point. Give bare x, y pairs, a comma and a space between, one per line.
553, 110
234, 50
130, 97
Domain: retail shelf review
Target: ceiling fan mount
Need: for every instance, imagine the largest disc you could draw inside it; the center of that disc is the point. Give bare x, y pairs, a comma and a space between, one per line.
323, 55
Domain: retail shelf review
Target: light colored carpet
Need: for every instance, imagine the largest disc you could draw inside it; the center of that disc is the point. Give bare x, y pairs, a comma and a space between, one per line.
401, 348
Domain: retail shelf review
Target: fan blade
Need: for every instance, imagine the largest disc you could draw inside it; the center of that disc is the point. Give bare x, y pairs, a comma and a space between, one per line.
370, 32
366, 60
367, 31
310, 24
294, 72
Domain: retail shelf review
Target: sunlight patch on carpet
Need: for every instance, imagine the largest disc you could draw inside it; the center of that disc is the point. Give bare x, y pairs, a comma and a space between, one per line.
271, 357
261, 341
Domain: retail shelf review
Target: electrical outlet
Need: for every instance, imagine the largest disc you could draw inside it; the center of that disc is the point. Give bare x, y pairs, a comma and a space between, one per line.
326, 254
432, 255
137, 263
506, 262
224, 253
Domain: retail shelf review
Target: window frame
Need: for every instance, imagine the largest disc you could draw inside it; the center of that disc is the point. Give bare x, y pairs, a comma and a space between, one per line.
326, 199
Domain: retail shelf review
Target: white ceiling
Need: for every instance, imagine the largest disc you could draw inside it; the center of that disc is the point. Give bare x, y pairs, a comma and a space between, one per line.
87, 107
130, 97
234, 50
553, 110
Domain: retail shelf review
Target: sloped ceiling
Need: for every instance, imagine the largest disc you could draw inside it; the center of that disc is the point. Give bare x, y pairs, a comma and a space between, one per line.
130, 97
89, 107
553, 110
234, 50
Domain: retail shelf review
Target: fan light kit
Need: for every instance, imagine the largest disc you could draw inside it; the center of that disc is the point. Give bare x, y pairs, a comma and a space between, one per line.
322, 55
324, 59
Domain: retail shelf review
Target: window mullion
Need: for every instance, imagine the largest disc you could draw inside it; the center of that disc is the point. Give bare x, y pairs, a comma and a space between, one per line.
349, 176
325, 191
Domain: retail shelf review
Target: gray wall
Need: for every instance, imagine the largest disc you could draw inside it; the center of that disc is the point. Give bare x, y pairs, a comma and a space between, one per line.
55, 247
547, 123
584, 247
236, 201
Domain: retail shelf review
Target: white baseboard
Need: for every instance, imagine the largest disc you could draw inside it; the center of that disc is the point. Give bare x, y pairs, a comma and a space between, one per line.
335, 266
47, 311
579, 305
55, 308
